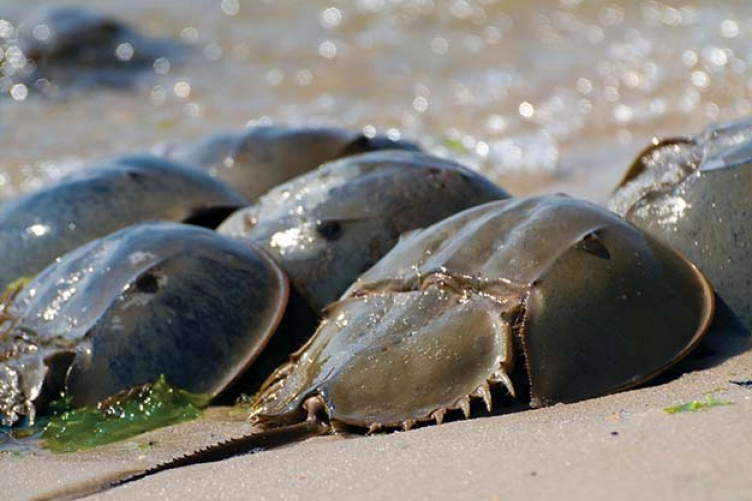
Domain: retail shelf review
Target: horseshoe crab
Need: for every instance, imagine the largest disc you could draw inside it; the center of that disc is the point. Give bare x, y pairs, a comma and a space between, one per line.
42, 225
148, 300
694, 194
257, 159
557, 294
76, 45
326, 227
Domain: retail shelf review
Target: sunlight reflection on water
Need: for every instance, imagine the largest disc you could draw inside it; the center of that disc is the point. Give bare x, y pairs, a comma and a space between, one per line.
538, 95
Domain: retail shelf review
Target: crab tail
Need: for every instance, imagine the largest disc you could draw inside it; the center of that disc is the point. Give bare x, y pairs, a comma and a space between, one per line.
252, 443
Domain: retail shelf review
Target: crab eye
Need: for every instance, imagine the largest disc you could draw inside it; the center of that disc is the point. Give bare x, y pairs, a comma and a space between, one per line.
147, 283
329, 230
592, 244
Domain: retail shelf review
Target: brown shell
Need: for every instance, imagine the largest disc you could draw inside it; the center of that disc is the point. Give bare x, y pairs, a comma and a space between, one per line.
568, 285
257, 159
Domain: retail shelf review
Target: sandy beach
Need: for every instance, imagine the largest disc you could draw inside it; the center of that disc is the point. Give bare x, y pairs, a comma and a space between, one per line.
546, 96
622, 446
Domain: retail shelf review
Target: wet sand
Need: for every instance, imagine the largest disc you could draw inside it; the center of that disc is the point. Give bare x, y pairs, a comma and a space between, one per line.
622, 446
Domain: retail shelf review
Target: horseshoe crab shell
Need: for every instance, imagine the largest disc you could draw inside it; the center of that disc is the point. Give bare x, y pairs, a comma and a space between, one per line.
148, 300
42, 225
551, 291
580, 301
694, 194
77, 45
256, 160
325, 228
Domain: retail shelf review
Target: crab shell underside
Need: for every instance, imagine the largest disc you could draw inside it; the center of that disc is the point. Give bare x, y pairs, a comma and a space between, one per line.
586, 302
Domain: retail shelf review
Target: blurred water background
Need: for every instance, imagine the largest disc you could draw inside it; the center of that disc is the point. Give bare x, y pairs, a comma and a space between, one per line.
550, 95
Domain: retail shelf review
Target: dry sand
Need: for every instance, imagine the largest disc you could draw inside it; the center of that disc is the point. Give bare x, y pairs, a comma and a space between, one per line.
621, 446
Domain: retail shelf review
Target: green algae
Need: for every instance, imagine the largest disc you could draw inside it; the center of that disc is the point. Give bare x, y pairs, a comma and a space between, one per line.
455, 146
147, 408
65, 429
696, 405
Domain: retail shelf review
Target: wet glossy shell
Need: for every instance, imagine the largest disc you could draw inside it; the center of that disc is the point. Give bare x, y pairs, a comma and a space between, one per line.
694, 193
153, 299
327, 227
256, 160
40, 226
588, 303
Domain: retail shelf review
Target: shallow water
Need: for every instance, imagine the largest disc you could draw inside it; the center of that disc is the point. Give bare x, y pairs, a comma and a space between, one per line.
543, 95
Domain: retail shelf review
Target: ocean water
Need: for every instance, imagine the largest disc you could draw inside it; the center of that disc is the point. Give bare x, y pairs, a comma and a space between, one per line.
550, 95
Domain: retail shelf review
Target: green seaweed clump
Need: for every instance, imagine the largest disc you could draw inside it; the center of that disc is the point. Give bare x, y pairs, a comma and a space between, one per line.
696, 405
127, 414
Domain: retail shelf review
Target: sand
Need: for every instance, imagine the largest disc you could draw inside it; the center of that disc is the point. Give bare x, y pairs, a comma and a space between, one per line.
622, 446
